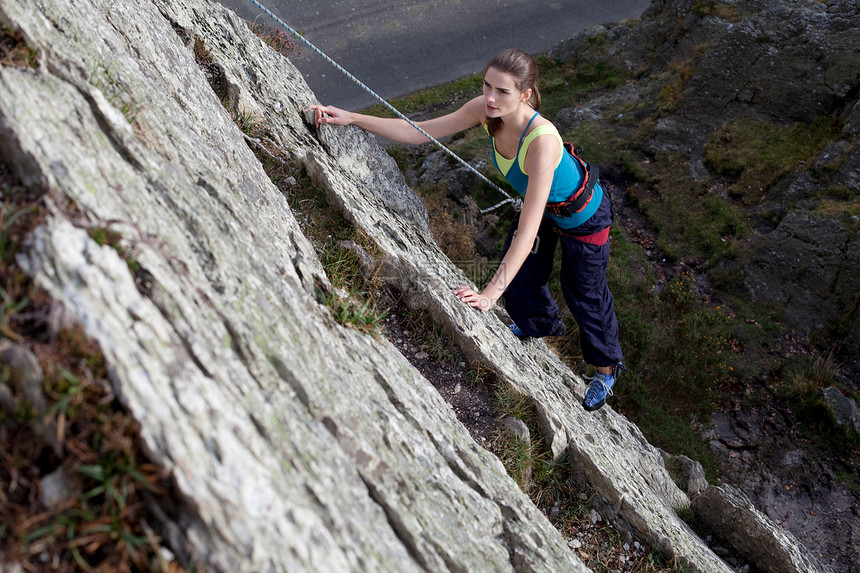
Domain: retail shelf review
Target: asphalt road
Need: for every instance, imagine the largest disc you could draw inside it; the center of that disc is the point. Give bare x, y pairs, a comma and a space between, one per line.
398, 47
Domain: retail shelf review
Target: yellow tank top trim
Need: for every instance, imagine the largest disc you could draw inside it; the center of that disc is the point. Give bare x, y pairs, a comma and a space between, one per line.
505, 164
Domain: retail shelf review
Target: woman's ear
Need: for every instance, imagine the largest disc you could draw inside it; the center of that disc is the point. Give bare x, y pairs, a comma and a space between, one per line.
527, 95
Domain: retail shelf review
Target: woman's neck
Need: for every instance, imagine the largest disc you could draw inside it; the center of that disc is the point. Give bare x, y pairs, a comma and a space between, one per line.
518, 119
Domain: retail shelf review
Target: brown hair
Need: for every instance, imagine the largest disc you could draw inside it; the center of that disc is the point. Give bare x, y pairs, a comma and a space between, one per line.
524, 70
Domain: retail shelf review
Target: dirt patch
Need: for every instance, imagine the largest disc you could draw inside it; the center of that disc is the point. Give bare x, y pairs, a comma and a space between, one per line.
471, 403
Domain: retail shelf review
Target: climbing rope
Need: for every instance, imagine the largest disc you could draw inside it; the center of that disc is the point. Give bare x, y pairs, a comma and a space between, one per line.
517, 202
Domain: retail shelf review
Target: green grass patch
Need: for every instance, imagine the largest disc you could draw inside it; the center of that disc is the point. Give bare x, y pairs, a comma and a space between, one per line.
434, 340
599, 145
472, 144
678, 352
360, 308
362, 315
400, 157
563, 85
802, 376
435, 100
754, 154
692, 221
509, 402
848, 210
517, 455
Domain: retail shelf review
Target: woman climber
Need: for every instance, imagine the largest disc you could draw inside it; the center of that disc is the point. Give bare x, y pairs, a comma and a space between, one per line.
563, 202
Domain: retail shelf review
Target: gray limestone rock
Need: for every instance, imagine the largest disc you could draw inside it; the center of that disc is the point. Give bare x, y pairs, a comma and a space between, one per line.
688, 473
518, 427
21, 368
770, 547
58, 487
805, 266
845, 409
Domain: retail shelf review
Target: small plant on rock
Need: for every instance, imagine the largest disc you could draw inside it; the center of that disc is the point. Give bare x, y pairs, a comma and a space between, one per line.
364, 316
276, 39
249, 122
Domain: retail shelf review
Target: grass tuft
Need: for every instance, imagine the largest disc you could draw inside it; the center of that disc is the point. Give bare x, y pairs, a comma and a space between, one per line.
808, 373
517, 455
117, 94
433, 100
249, 122
363, 316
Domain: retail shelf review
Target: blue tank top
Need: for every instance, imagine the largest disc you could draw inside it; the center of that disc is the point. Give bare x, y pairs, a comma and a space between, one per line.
567, 177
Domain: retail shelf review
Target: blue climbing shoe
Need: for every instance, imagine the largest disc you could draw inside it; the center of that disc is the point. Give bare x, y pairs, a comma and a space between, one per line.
518, 332
599, 389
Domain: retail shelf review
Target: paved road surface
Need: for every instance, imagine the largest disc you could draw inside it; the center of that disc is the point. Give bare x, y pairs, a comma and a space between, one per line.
397, 47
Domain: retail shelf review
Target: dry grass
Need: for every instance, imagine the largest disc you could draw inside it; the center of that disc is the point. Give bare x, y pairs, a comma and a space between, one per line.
14, 51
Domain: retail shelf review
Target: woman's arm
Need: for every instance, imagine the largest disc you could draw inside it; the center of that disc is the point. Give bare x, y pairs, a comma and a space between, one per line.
540, 164
469, 115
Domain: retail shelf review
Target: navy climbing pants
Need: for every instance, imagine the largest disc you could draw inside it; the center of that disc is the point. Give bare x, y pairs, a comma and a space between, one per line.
583, 282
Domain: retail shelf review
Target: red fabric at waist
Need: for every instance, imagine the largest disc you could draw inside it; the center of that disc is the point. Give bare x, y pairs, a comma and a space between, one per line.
599, 238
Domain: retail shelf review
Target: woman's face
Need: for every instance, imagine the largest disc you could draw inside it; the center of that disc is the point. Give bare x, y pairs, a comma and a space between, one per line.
501, 94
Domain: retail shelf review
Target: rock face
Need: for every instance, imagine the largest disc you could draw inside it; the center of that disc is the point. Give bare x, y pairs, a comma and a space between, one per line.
294, 443
729, 511
807, 266
845, 409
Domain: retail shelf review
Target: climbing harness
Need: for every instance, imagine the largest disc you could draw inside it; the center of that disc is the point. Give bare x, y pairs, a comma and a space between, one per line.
516, 202
579, 198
